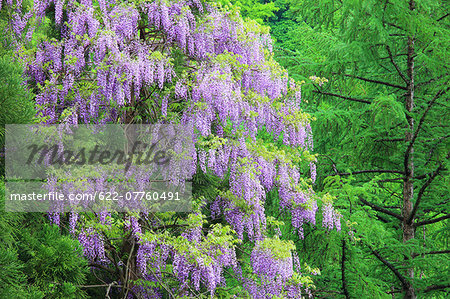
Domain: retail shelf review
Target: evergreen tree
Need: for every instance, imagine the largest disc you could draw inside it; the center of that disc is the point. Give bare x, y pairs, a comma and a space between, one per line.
382, 132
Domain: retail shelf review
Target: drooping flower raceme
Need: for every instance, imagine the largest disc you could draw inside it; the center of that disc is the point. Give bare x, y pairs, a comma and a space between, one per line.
194, 64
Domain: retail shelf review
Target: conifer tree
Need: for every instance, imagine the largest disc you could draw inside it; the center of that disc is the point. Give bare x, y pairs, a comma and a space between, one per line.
382, 122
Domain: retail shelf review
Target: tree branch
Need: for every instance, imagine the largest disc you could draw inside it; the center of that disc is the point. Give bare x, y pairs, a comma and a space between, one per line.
376, 81
390, 140
164, 227
443, 17
344, 282
367, 171
422, 191
433, 252
431, 221
342, 97
405, 283
332, 162
420, 84
395, 65
127, 272
422, 119
380, 209
396, 26
436, 287
103, 268
100, 285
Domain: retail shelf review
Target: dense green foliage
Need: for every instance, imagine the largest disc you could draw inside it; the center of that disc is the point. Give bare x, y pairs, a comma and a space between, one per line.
360, 133
364, 129
15, 103
37, 261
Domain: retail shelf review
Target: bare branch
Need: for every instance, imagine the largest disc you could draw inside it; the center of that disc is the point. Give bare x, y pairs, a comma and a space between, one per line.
332, 162
109, 289
395, 25
127, 273
99, 285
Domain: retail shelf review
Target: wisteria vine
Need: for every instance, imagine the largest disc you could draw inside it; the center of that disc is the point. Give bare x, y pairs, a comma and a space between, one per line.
194, 64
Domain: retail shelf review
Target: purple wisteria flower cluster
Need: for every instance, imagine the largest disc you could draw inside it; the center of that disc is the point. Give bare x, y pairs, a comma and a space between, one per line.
194, 64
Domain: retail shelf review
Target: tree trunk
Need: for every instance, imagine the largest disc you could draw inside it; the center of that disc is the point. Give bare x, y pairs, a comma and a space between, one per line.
344, 281
408, 185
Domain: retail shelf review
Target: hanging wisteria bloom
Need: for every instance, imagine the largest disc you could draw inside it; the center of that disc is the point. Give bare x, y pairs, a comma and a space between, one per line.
193, 64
